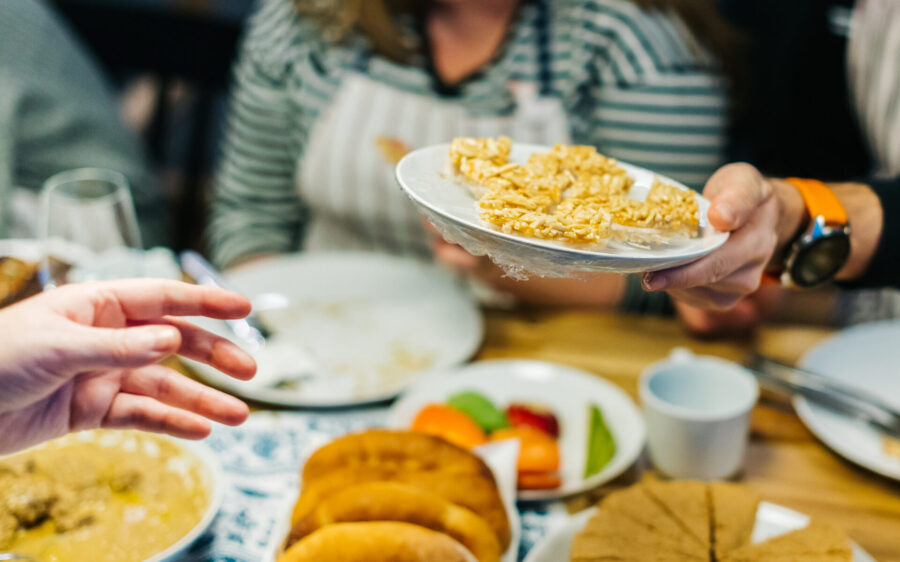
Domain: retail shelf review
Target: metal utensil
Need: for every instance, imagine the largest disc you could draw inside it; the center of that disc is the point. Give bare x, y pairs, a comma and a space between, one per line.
827, 392
250, 329
14, 556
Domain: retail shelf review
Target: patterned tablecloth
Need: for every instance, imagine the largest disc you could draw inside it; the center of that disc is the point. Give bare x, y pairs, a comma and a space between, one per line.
262, 460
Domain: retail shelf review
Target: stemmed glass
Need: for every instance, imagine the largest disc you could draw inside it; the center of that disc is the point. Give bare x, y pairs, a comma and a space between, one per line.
88, 227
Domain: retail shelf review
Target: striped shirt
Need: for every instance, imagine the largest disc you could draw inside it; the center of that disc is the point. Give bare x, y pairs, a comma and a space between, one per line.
634, 84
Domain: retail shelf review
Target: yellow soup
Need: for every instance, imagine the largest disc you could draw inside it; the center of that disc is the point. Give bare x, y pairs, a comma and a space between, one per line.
117, 496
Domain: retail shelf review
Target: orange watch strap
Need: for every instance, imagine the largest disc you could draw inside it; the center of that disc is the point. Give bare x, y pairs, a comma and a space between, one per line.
820, 200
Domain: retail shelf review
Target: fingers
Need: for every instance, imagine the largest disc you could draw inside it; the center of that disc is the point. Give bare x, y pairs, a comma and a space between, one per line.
215, 351
94, 348
455, 257
426, 224
174, 389
131, 411
145, 299
747, 251
735, 192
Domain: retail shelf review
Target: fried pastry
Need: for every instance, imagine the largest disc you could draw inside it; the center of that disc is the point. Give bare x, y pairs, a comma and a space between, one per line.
390, 501
418, 460
379, 541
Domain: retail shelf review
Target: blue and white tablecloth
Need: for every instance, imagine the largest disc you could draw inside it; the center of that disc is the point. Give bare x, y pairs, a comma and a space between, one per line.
262, 461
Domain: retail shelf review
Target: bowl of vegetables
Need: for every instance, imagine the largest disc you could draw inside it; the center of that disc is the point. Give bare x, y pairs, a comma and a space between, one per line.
575, 430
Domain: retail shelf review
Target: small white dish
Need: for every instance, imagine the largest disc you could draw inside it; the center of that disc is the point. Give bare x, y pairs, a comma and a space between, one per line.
449, 205
864, 357
568, 392
771, 521
360, 327
697, 411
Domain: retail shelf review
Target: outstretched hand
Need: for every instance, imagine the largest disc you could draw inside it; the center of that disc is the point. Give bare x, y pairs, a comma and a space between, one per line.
85, 356
743, 203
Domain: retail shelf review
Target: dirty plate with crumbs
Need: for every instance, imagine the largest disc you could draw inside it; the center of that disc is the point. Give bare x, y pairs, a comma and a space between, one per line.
349, 328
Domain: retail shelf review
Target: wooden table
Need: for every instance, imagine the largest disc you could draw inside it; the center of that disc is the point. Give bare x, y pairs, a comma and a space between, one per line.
785, 463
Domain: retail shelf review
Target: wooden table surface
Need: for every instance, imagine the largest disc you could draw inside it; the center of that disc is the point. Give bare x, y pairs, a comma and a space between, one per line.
785, 463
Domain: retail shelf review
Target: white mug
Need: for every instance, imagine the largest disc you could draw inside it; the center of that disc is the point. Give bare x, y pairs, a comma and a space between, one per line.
698, 414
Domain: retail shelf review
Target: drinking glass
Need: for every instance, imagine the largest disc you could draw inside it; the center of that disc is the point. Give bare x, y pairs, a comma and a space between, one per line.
88, 227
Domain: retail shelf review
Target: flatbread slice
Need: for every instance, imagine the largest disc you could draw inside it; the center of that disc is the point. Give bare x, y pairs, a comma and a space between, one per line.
733, 514
610, 535
637, 505
817, 541
686, 502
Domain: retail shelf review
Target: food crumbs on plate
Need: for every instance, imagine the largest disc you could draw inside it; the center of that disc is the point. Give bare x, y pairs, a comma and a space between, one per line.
601, 444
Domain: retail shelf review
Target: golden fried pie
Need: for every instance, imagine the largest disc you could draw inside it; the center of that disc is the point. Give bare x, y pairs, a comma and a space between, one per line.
379, 541
421, 461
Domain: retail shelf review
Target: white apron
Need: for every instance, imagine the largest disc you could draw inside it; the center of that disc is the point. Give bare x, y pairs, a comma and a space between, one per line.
346, 175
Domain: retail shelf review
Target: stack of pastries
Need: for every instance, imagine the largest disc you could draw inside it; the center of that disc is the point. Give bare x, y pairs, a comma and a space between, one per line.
695, 521
396, 496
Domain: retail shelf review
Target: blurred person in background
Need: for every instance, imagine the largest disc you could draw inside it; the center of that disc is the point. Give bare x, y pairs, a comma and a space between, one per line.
328, 96
58, 113
823, 102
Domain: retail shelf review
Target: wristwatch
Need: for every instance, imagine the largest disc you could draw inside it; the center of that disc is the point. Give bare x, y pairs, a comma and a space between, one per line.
820, 251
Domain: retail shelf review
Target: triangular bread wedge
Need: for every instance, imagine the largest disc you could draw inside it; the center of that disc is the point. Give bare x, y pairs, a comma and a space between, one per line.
817, 541
686, 502
734, 516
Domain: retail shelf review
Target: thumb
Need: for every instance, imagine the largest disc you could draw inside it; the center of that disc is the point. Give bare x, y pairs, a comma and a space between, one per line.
736, 191
125, 347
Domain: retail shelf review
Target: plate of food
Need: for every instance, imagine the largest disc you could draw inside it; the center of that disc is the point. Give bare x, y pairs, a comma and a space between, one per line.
555, 211
348, 328
693, 521
575, 430
383, 496
103, 495
864, 358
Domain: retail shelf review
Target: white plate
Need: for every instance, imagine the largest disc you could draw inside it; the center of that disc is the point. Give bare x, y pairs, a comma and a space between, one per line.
365, 325
771, 521
449, 205
568, 392
864, 357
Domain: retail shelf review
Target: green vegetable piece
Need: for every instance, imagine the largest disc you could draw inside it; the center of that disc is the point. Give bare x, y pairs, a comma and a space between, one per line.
480, 409
601, 444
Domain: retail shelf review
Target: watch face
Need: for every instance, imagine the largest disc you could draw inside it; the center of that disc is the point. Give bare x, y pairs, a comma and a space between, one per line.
820, 259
